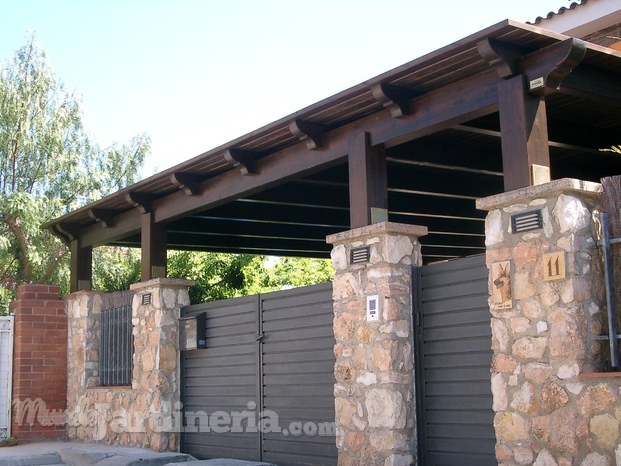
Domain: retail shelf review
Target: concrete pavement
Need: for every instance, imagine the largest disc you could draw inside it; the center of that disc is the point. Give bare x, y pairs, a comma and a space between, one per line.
87, 454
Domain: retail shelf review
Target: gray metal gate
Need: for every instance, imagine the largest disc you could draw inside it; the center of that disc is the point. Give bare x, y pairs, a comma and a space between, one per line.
270, 353
455, 417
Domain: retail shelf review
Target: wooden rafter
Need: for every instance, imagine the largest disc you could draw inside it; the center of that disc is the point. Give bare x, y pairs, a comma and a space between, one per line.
189, 183
310, 133
394, 98
143, 202
243, 160
103, 216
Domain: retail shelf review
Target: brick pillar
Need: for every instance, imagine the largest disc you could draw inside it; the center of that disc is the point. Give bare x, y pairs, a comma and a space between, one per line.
39, 364
374, 390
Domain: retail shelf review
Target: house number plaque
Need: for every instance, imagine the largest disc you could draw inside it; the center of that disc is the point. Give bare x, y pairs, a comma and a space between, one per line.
554, 266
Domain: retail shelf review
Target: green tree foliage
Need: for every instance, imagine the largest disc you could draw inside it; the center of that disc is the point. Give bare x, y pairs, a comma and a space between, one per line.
48, 166
217, 276
115, 268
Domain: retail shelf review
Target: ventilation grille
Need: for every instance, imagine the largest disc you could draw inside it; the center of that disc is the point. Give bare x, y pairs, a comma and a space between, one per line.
526, 221
360, 255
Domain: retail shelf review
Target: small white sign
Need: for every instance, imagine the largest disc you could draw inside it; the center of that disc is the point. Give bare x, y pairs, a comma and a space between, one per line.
536, 83
372, 308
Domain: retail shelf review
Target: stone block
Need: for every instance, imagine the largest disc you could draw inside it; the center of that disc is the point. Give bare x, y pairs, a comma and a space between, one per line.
530, 348
510, 427
552, 397
605, 429
385, 408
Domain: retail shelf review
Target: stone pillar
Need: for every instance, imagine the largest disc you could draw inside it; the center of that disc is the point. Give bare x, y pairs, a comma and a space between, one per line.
374, 390
147, 414
156, 358
39, 364
553, 407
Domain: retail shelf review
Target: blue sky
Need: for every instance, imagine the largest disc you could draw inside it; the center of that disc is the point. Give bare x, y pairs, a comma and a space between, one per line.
195, 74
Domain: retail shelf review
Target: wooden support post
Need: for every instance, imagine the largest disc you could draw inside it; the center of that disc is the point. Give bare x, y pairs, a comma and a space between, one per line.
368, 185
81, 267
524, 134
154, 245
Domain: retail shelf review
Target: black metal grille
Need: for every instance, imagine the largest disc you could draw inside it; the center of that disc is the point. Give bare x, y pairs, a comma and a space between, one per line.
117, 347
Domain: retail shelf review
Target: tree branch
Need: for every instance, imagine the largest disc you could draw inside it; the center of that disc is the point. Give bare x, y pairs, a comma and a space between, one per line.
13, 223
59, 253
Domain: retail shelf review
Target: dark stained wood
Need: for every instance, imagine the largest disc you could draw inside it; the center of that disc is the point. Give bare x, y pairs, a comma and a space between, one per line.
243, 160
154, 248
139, 200
439, 109
81, 267
524, 133
310, 133
102, 216
59, 234
394, 98
589, 82
436, 165
504, 58
552, 63
189, 183
368, 185
71, 231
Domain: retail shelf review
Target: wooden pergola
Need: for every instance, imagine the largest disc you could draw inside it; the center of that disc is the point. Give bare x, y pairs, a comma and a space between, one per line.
508, 107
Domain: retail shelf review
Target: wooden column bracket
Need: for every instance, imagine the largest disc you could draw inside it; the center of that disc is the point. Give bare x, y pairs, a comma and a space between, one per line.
53, 228
242, 159
546, 68
140, 200
189, 183
310, 133
68, 230
504, 58
394, 98
102, 216
543, 69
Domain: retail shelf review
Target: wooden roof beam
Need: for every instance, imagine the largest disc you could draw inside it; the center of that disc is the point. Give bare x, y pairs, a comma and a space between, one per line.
68, 230
244, 160
394, 98
102, 216
187, 182
543, 69
437, 110
143, 202
312, 134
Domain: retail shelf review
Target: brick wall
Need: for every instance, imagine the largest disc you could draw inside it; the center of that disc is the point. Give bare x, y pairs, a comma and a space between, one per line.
39, 364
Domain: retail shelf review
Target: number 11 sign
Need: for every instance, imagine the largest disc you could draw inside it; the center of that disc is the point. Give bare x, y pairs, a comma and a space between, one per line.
554, 266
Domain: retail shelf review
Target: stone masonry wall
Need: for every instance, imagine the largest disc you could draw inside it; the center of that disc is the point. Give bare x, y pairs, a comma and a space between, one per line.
552, 406
147, 413
374, 390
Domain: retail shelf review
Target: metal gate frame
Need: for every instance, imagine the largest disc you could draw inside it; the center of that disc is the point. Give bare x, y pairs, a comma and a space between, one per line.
6, 374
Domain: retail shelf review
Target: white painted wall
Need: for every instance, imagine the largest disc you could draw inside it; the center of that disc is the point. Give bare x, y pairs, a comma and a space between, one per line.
6, 372
585, 19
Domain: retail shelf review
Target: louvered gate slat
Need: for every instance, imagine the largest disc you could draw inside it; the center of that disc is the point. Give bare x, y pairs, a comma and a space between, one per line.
453, 368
